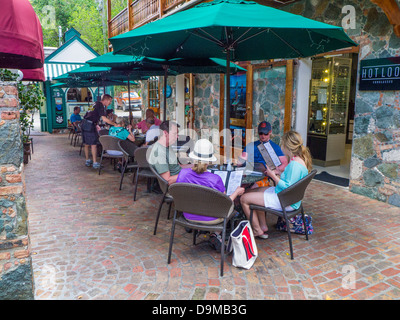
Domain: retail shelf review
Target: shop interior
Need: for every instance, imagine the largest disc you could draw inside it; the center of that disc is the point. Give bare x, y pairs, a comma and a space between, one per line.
331, 115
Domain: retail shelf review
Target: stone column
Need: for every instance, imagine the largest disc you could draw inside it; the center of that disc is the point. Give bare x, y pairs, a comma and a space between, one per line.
16, 276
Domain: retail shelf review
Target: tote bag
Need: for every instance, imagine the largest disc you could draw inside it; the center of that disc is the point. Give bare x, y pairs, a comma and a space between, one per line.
243, 245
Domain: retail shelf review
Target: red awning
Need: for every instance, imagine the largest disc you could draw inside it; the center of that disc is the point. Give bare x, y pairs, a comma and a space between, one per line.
21, 36
33, 74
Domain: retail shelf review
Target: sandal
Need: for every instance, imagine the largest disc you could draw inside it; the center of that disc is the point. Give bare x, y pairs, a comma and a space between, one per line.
263, 236
216, 241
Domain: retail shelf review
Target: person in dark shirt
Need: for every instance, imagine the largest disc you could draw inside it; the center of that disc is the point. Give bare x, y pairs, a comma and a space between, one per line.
90, 127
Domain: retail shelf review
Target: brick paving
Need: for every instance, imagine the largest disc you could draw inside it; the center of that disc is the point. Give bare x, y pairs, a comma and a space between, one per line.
89, 241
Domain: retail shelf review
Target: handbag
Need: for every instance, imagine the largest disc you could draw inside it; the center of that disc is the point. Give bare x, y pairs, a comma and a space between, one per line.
243, 245
296, 224
87, 125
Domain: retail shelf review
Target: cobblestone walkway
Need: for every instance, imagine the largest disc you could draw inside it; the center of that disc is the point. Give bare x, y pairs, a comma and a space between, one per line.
91, 241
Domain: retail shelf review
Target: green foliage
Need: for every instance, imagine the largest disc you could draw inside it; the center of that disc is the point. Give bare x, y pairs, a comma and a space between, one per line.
7, 75
85, 16
88, 22
31, 99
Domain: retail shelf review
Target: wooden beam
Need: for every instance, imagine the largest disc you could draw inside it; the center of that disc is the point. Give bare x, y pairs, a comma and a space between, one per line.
130, 17
392, 11
249, 97
108, 22
287, 121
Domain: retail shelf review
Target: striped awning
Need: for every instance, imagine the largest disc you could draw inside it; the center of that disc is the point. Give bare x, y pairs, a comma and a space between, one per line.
52, 70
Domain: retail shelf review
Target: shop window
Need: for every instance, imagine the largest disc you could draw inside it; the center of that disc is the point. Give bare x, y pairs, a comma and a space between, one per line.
154, 95
79, 95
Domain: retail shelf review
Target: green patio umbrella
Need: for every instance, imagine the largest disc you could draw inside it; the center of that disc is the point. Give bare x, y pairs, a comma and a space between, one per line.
123, 76
119, 62
232, 30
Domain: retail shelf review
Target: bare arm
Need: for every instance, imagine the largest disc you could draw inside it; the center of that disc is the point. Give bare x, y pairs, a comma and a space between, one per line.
106, 120
238, 192
167, 176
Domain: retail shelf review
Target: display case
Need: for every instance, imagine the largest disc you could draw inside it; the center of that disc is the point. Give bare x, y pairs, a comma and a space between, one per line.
328, 108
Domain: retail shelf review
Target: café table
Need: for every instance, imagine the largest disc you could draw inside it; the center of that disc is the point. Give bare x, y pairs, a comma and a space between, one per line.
250, 175
140, 139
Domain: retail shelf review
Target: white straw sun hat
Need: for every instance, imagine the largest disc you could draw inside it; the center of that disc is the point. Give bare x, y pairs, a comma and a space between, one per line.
203, 150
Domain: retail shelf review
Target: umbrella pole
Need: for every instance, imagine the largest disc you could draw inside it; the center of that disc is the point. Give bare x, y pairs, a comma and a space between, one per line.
129, 102
165, 93
227, 105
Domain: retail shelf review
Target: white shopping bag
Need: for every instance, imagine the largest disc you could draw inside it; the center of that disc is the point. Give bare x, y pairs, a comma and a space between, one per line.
243, 245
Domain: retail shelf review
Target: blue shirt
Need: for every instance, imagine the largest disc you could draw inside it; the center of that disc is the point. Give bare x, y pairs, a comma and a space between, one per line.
119, 132
75, 117
293, 172
254, 155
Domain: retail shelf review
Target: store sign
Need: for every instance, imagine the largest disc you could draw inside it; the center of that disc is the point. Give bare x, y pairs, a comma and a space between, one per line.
380, 74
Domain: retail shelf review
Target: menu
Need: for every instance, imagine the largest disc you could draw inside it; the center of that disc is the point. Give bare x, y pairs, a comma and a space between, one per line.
269, 155
231, 179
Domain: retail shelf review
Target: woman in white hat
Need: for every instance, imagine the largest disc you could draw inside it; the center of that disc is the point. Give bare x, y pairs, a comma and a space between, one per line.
203, 155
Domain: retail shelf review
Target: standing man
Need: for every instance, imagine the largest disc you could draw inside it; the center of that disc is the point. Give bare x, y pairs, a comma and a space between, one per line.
252, 153
90, 136
161, 156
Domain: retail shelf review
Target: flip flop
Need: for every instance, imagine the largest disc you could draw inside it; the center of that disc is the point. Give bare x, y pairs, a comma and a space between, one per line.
263, 236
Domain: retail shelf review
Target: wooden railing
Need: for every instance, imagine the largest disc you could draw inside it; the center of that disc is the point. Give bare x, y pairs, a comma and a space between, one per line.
119, 24
141, 12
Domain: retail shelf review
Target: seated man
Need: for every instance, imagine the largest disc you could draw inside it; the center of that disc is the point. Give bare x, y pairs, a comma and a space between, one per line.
144, 125
153, 133
161, 156
252, 154
75, 117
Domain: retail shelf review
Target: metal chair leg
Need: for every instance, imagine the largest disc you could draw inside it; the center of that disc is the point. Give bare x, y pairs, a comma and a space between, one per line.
122, 174
169, 210
158, 214
171, 240
223, 249
137, 178
304, 223
289, 236
101, 160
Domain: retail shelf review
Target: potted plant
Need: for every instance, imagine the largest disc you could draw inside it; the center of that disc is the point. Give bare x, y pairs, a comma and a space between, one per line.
31, 99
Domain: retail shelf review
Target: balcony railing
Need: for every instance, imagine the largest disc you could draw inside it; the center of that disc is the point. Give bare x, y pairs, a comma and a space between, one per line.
141, 12
119, 24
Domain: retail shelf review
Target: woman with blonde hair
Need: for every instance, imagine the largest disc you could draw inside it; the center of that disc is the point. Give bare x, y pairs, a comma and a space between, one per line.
299, 166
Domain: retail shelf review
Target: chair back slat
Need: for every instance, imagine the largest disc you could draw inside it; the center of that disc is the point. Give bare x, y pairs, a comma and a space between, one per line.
103, 132
296, 191
110, 143
140, 157
128, 147
200, 200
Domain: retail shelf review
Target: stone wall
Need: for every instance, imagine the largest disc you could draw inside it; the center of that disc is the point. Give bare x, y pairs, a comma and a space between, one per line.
375, 166
269, 87
15, 262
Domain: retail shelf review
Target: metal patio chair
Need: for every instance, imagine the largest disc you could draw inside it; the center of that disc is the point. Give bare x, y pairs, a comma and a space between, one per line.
164, 186
143, 168
128, 148
287, 197
200, 200
109, 143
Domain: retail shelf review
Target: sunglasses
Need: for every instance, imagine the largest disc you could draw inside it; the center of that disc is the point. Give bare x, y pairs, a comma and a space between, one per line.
263, 134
